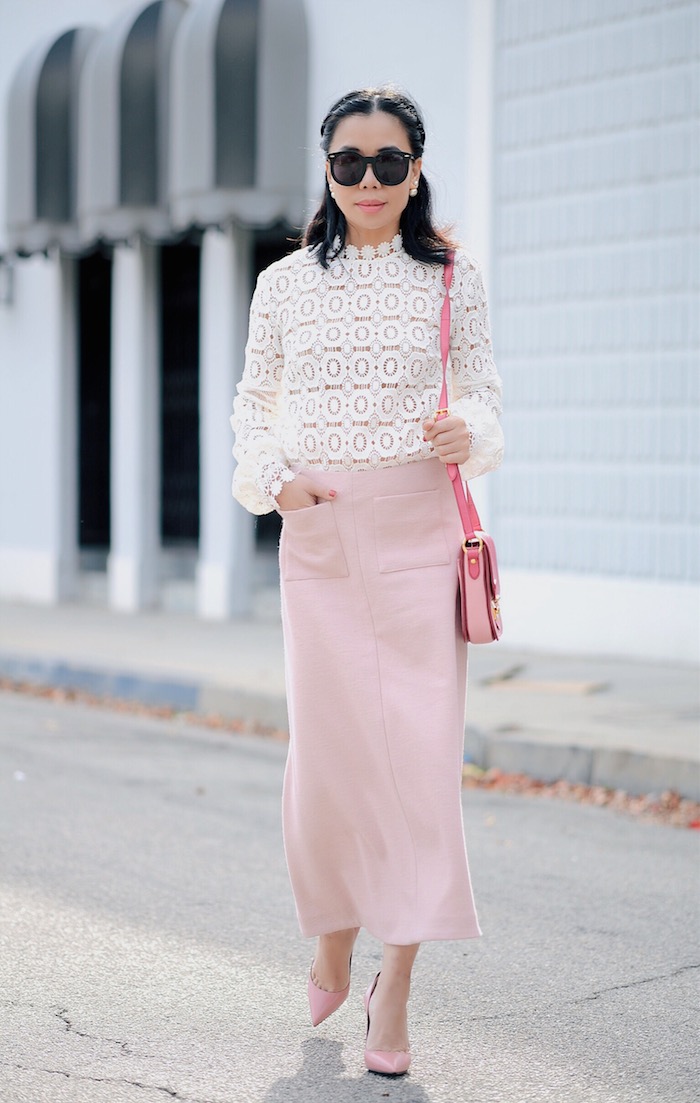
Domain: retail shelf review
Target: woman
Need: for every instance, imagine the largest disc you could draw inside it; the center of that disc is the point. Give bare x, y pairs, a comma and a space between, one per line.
335, 429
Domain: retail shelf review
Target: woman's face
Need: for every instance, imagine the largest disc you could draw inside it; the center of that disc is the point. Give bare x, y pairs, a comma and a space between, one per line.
372, 210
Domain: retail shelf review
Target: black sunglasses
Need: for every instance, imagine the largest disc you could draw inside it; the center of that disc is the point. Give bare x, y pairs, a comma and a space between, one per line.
390, 167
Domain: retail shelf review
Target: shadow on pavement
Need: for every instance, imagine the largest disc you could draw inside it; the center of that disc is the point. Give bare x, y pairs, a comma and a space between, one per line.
322, 1076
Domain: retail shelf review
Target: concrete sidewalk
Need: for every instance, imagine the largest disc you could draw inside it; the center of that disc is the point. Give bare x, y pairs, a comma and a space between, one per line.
622, 724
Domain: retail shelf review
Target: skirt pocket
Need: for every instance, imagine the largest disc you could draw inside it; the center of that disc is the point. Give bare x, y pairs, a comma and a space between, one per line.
310, 546
409, 531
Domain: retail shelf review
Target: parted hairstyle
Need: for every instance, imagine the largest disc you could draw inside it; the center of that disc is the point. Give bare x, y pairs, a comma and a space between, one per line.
422, 240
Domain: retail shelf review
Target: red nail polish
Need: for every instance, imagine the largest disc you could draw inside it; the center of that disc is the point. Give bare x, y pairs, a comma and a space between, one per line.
332, 493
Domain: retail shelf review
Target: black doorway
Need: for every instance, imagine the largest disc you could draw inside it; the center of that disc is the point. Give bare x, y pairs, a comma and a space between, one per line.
179, 298
94, 298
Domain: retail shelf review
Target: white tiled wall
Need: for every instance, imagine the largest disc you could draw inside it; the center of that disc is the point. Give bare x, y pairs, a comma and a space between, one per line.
596, 288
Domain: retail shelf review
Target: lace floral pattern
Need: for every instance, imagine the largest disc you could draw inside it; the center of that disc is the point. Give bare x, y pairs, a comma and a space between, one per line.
343, 366
372, 252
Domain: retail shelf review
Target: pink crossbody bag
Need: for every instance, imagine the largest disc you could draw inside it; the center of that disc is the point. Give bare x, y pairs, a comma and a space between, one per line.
477, 567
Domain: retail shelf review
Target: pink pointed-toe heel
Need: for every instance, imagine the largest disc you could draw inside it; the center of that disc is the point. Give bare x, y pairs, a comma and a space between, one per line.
322, 1004
385, 1061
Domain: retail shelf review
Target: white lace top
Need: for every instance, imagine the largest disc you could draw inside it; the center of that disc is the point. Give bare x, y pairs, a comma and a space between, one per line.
342, 366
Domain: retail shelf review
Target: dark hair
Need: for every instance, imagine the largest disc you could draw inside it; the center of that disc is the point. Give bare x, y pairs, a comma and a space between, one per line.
421, 238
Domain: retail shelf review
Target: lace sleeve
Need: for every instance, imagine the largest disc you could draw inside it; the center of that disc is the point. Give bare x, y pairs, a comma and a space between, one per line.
261, 468
476, 385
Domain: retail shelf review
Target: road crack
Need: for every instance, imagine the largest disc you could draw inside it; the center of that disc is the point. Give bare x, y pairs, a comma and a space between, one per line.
636, 983
169, 1092
528, 1011
62, 1016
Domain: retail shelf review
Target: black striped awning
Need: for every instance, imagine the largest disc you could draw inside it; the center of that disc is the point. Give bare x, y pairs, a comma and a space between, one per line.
124, 126
239, 99
174, 116
42, 144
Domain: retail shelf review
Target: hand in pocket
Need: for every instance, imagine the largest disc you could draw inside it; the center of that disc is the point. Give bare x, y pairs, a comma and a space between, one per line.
302, 493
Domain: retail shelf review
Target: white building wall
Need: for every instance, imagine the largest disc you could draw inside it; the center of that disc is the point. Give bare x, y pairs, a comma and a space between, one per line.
372, 42
596, 313
343, 55
419, 47
37, 385
573, 176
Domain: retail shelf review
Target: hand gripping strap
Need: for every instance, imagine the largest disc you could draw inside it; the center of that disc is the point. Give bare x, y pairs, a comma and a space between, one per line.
465, 502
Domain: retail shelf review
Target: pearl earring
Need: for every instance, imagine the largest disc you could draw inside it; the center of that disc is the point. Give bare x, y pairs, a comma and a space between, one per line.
332, 193
414, 189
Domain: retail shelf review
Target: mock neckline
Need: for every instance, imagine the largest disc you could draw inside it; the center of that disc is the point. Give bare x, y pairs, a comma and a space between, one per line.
373, 252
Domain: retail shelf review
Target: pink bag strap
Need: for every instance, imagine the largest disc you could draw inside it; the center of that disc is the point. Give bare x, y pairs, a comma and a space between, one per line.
465, 502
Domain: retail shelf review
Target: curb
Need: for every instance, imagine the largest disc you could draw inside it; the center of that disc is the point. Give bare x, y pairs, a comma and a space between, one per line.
148, 689
608, 767
611, 768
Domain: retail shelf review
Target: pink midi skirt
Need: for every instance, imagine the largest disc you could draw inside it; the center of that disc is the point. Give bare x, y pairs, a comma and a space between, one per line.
376, 682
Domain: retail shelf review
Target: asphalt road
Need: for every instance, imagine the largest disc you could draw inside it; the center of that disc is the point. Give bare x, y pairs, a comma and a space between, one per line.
149, 951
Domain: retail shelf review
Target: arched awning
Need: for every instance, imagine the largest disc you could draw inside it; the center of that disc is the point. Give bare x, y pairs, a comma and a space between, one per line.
42, 144
124, 123
239, 107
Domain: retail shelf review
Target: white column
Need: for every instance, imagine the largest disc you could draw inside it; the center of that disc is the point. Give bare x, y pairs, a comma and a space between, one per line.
135, 434
226, 535
44, 565
479, 119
